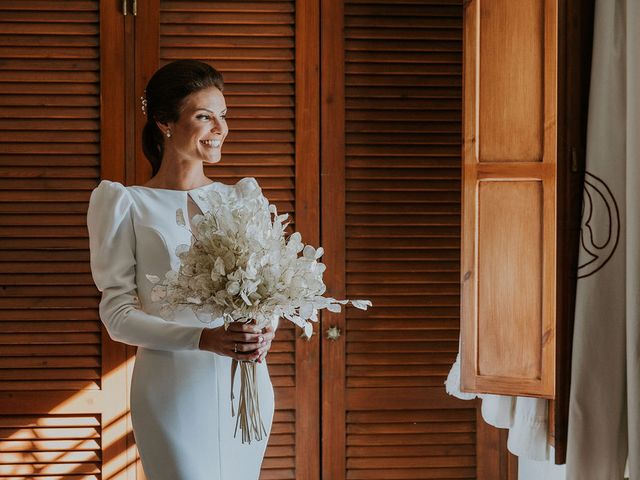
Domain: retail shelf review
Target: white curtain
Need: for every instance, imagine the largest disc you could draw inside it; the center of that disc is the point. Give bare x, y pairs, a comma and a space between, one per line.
604, 412
525, 417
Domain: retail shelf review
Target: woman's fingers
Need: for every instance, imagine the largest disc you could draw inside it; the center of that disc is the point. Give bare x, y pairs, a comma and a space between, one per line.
269, 332
263, 355
253, 356
243, 327
243, 347
245, 341
249, 333
255, 339
233, 344
269, 335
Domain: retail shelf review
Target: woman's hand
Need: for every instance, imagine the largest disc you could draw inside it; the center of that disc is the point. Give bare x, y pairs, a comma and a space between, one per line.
268, 333
240, 341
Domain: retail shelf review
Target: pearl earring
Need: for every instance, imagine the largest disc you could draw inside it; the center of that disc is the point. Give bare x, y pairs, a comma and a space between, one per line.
168, 133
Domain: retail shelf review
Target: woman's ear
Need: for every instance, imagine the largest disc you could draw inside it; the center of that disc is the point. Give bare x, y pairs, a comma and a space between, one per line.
163, 126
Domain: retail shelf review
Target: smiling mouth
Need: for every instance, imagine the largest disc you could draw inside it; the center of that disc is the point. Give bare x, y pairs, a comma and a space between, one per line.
211, 143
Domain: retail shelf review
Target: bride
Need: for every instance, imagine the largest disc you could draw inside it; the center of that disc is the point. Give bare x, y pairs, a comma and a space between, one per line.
181, 386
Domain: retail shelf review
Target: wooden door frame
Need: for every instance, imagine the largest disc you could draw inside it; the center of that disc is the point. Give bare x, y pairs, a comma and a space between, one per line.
118, 460
493, 460
332, 146
575, 41
307, 219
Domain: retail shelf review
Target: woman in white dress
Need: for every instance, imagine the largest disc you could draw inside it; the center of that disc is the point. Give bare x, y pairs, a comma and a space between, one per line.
181, 386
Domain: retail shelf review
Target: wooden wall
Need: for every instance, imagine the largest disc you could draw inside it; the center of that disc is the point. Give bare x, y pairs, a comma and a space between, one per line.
349, 115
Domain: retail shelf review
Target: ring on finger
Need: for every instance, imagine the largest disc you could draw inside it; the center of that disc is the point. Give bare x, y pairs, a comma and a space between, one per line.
235, 348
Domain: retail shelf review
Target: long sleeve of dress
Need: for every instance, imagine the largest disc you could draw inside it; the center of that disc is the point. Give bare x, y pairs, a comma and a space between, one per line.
112, 244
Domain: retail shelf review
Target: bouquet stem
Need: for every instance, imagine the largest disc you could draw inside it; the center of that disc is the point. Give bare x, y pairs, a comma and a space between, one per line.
248, 417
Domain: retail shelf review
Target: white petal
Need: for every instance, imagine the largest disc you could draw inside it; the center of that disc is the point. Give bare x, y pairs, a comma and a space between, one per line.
180, 217
158, 292
334, 307
361, 304
219, 266
245, 298
306, 310
204, 317
308, 330
294, 239
233, 288
309, 252
171, 276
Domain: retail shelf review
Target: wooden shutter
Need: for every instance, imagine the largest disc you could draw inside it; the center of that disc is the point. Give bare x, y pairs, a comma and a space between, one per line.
268, 54
509, 206
391, 164
50, 157
61, 410
50, 446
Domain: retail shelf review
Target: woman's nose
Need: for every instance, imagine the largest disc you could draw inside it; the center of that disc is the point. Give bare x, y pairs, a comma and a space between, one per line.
218, 126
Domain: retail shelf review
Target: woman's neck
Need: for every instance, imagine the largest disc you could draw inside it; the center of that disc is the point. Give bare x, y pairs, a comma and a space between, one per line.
179, 176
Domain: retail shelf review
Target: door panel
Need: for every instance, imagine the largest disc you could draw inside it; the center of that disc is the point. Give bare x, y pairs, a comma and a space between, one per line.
509, 200
392, 100
62, 382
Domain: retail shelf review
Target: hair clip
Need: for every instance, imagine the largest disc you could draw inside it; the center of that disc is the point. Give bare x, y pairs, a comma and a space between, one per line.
143, 100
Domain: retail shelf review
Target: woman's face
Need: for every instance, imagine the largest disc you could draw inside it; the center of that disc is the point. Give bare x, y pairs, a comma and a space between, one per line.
199, 132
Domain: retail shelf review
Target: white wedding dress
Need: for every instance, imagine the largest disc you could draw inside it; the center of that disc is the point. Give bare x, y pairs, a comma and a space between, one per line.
180, 395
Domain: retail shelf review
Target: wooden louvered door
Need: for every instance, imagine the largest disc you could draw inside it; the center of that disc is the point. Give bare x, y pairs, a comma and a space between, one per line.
268, 54
391, 180
62, 383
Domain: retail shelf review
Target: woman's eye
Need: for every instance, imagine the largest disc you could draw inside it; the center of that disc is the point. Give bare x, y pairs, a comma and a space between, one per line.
208, 117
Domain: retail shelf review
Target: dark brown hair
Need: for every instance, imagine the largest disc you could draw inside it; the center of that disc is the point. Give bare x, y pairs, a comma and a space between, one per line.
165, 94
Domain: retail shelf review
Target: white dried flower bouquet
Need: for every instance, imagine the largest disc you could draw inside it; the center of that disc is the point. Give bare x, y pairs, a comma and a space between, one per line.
241, 267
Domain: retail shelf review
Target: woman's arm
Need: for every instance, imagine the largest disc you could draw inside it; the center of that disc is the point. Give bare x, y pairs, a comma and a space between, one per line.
112, 245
